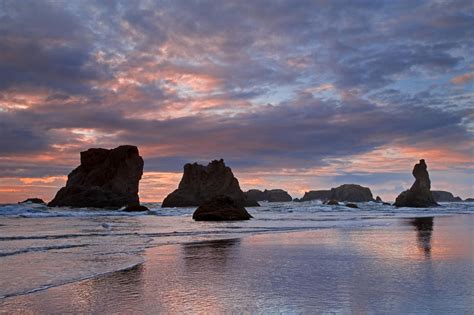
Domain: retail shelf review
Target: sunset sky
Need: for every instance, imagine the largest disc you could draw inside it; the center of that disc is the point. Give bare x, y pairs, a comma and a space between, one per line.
292, 94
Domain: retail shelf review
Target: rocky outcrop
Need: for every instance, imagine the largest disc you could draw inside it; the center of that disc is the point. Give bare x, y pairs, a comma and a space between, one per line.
347, 192
331, 202
201, 183
444, 196
105, 179
272, 195
33, 200
378, 199
352, 205
469, 200
136, 208
221, 208
316, 195
419, 195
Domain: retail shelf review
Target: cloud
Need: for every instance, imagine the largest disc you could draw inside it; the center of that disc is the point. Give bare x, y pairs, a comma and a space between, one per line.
296, 85
463, 79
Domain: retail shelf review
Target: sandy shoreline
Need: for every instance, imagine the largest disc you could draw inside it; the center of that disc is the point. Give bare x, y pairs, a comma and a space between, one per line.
416, 265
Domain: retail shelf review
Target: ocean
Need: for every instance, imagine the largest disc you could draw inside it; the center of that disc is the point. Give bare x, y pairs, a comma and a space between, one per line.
44, 249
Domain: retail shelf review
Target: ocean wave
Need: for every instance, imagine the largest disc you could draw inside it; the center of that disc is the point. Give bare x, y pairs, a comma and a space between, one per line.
40, 249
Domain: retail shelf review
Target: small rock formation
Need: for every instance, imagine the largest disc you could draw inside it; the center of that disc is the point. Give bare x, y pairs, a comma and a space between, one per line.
378, 199
419, 195
347, 192
221, 208
444, 196
316, 195
105, 179
33, 200
469, 200
272, 195
135, 208
331, 202
352, 205
201, 183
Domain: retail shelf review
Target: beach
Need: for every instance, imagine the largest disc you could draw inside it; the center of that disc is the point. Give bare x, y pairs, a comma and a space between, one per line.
415, 264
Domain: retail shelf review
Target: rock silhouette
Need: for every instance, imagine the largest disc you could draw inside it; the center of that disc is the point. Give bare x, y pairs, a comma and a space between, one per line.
33, 200
346, 192
201, 183
272, 195
419, 195
444, 196
104, 179
221, 208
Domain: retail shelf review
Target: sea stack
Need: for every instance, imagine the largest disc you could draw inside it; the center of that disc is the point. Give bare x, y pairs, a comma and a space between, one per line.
201, 183
272, 195
221, 208
444, 196
105, 179
419, 195
346, 192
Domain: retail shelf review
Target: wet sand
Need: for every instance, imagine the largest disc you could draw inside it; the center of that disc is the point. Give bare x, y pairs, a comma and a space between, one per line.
417, 265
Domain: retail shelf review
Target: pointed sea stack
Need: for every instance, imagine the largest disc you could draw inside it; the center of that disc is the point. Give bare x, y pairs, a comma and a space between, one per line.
201, 183
105, 179
419, 195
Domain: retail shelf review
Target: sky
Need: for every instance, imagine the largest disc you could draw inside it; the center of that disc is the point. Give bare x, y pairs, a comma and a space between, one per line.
298, 95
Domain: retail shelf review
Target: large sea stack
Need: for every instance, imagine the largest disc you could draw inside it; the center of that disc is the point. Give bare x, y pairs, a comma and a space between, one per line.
272, 195
201, 183
419, 195
105, 179
221, 208
346, 192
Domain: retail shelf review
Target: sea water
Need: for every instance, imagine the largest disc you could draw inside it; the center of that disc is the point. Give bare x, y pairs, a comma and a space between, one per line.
43, 247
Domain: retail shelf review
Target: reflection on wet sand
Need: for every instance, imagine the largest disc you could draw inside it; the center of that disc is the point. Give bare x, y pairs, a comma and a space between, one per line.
424, 230
215, 253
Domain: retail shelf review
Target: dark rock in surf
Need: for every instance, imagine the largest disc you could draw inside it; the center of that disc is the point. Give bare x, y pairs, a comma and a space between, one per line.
331, 202
352, 205
444, 196
469, 200
221, 208
34, 200
419, 195
272, 195
136, 208
378, 199
201, 183
105, 179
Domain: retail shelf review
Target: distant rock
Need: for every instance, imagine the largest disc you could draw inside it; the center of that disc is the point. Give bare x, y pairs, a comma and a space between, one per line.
347, 192
444, 196
316, 195
352, 205
331, 202
378, 199
272, 195
136, 208
201, 183
419, 195
469, 200
297, 200
33, 200
105, 179
221, 208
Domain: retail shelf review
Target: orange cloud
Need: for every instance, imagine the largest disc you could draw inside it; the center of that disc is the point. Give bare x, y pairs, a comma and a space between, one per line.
463, 79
